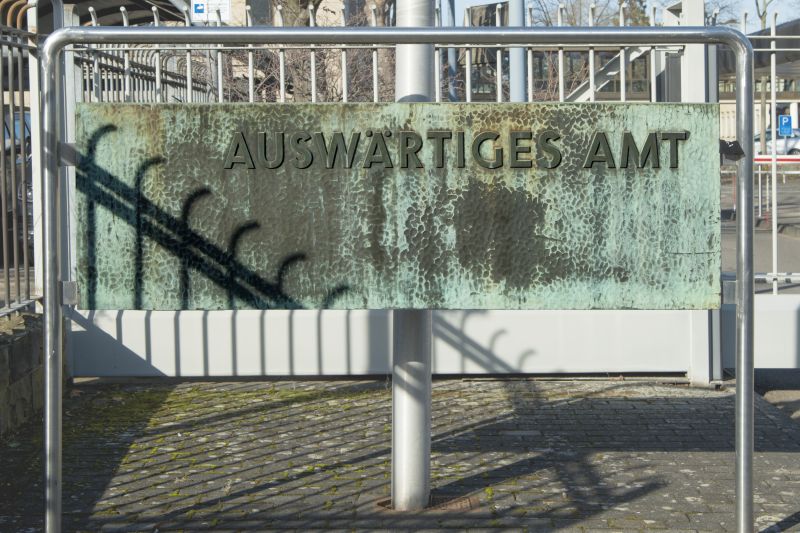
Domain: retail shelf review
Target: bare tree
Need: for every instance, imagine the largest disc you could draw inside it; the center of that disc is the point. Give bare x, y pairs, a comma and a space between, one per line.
576, 12
723, 12
298, 63
762, 8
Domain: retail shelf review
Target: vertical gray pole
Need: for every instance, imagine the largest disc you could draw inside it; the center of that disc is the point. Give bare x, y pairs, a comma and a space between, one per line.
52, 298
452, 58
744, 291
411, 344
516, 56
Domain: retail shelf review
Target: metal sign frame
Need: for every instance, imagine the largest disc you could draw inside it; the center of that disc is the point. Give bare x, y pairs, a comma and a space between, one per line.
361, 36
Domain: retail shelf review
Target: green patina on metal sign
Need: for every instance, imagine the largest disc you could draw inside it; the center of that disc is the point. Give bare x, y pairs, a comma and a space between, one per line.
412, 205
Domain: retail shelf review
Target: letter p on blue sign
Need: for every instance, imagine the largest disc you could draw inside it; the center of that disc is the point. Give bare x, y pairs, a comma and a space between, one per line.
785, 125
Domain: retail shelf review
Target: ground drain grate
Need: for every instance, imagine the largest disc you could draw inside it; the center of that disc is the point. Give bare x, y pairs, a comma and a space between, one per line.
439, 502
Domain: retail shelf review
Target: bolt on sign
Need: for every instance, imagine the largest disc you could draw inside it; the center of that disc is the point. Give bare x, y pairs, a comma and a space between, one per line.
398, 205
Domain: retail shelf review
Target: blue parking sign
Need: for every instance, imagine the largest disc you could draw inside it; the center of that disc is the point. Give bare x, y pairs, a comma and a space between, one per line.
785, 125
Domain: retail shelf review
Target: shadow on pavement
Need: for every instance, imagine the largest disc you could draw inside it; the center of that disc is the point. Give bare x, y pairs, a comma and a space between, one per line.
316, 454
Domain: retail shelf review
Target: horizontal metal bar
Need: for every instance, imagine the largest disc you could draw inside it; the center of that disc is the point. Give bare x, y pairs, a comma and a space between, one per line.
785, 159
94, 52
564, 36
139, 67
141, 71
16, 307
606, 47
768, 50
16, 44
780, 277
16, 31
772, 37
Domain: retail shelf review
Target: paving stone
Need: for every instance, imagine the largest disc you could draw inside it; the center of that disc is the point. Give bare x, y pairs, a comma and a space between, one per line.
515, 455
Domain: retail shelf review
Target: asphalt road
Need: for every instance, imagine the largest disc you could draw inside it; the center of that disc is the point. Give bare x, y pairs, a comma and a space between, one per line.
788, 254
788, 242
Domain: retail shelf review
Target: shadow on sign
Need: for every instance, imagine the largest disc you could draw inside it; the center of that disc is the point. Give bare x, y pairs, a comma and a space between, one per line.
175, 235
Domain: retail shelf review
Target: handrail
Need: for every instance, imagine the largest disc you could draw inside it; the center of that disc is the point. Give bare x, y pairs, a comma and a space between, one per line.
741, 46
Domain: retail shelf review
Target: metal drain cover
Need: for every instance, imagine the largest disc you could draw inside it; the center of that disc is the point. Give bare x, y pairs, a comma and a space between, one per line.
439, 502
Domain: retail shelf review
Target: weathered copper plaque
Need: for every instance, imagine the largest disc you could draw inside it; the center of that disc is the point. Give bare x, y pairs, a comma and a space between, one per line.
442, 206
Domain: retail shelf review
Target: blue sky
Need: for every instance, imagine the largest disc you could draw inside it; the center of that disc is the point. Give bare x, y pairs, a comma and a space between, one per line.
787, 10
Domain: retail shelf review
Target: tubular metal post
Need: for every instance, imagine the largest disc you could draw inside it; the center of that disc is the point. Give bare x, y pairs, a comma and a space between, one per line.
498, 55
374, 22
23, 185
653, 86
96, 75
623, 67
760, 191
344, 60
189, 85
119, 87
560, 22
220, 84
251, 75
529, 52
281, 59
52, 298
4, 198
113, 77
437, 62
23, 145
12, 151
313, 55
467, 67
452, 54
744, 287
86, 82
412, 329
158, 59
127, 60
592, 88
140, 89
516, 56
133, 95
364, 36
773, 119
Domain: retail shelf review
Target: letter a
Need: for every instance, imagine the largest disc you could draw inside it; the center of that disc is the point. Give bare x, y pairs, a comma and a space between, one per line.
238, 153
599, 144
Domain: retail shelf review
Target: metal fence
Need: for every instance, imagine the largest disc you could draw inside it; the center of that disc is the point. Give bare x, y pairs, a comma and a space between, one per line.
323, 73
315, 40
775, 160
16, 197
359, 73
463, 73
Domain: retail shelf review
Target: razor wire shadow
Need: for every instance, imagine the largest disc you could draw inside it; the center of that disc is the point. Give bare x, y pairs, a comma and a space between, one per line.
175, 235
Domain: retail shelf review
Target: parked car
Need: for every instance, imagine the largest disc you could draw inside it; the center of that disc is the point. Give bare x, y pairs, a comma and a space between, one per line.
785, 145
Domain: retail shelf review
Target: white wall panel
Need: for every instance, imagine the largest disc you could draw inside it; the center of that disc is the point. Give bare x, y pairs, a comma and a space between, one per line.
777, 335
307, 343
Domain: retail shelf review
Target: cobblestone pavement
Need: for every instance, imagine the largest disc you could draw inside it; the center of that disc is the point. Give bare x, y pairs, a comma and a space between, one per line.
516, 454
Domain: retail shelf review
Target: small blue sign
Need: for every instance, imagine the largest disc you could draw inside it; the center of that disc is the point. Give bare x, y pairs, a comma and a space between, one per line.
199, 8
785, 125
